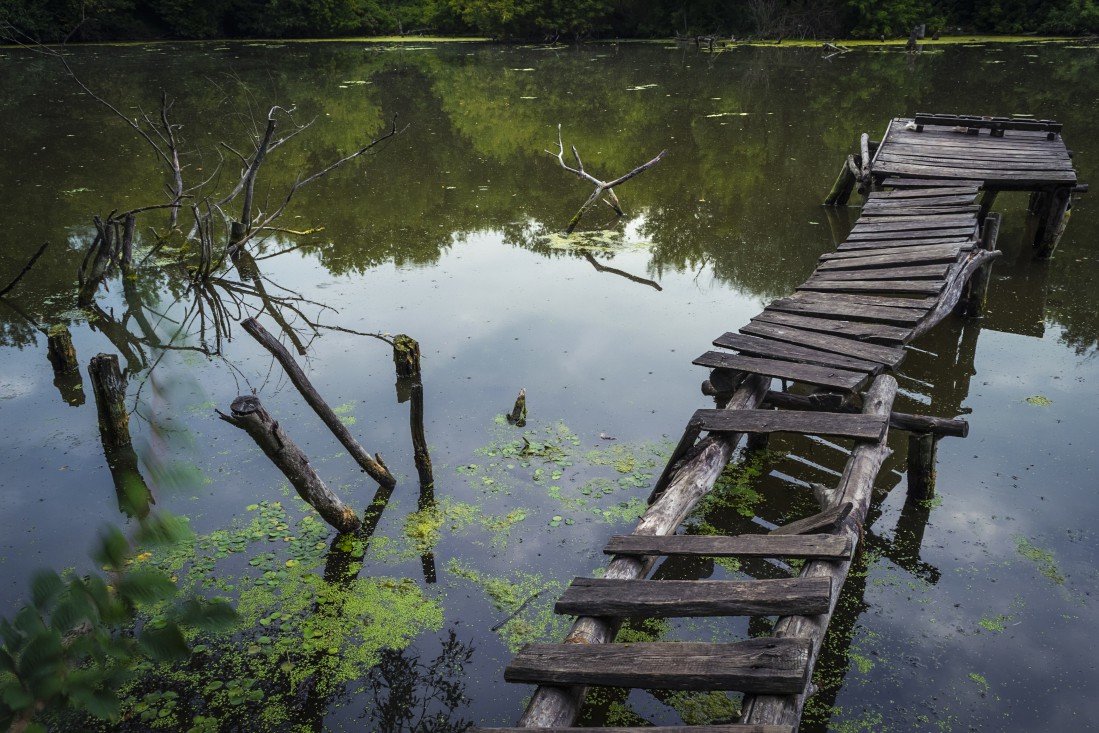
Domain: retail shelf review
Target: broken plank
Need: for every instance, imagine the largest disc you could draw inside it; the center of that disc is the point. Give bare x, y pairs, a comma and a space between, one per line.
841, 328
817, 547
885, 355
694, 598
801, 422
822, 522
775, 666
807, 373
759, 346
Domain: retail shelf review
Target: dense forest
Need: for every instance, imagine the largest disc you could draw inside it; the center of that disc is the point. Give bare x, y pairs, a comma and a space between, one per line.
51, 20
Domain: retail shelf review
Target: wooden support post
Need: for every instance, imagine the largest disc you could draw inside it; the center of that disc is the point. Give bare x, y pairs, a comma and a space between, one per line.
109, 387
988, 198
973, 302
864, 164
921, 466
248, 414
406, 356
1055, 217
419, 439
66, 370
371, 465
841, 189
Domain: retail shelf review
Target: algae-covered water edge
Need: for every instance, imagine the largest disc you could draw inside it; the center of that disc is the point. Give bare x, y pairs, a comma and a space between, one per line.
971, 610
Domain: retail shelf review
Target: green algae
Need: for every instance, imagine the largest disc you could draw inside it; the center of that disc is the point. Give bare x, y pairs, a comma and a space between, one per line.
1043, 559
524, 599
703, 708
995, 623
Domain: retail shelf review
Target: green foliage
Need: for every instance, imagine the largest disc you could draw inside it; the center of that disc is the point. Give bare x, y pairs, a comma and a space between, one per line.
80, 638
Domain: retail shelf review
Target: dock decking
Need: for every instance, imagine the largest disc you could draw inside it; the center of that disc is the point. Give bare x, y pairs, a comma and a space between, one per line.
920, 250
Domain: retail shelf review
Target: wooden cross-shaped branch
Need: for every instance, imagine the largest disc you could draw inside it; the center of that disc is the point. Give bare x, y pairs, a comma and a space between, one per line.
601, 187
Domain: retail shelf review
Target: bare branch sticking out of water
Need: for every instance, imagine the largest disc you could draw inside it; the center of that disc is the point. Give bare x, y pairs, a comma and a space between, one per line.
603, 189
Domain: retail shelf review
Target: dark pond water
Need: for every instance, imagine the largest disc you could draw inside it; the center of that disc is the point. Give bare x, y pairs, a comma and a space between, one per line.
974, 612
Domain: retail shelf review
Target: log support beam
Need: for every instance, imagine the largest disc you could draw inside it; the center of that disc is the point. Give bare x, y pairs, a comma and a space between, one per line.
922, 448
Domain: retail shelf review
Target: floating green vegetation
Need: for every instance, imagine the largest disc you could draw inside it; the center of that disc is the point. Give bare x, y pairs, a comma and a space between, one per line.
1039, 400
703, 708
868, 722
423, 528
603, 240
1044, 559
981, 681
525, 601
862, 663
304, 635
735, 489
995, 623
344, 413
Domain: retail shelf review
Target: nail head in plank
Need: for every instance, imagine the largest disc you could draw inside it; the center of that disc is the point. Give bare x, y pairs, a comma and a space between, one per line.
807, 373
803, 422
809, 547
766, 665
618, 598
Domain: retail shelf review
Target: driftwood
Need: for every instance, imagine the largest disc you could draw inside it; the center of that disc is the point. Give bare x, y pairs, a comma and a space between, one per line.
406, 360
26, 268
552, 706
599, 267
955, 288
374, 466
601, 187
248, 414
855, 486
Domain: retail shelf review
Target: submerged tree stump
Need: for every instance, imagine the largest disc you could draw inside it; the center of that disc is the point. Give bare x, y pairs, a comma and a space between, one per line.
921, 466
248, 414
109, 387
66, 370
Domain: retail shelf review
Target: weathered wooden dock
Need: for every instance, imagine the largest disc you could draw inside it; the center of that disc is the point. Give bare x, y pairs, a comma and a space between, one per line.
921, 250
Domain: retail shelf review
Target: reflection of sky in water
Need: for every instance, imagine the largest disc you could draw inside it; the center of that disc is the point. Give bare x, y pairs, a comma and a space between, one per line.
726, 221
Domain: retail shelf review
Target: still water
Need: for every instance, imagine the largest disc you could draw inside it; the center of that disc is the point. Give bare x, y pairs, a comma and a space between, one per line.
973, 612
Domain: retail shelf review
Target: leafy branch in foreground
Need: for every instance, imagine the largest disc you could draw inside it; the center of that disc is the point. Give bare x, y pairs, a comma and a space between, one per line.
79, 638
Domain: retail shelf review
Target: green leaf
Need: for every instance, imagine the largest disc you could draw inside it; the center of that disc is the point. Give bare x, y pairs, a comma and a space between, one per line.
46, 586
165, 643
100, 703
14, 696
146, 585
215, 615
163, 529
113, 549
72, 611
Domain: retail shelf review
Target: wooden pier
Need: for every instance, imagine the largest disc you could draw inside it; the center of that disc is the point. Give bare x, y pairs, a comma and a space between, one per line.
920, 251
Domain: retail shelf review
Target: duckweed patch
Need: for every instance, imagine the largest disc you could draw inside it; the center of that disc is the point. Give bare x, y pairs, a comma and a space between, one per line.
1041, 558
534, 621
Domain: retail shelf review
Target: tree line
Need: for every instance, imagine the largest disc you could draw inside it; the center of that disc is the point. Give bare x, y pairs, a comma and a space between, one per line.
565, 20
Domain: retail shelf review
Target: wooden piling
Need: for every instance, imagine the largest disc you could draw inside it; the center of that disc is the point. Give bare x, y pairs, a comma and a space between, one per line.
372, 465
406, 356
973, 302
66, 371
248, 414
841, 189
1055, 218
109, 387
518, 414
921, 466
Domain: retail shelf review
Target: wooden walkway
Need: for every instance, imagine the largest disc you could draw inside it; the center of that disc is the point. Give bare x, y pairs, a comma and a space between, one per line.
920, 250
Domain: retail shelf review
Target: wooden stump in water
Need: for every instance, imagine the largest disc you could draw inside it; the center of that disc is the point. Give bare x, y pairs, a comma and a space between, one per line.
406, 356
109, 387
66, 370
248, 414
921, 466
841, 189
518, 414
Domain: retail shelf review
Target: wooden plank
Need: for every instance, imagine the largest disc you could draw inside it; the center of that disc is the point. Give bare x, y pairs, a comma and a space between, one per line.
819, 547
865, 235
929, 183
898, 287
889, 258
727, 728
807, 373
873, 212
985, 174
801, 422
757, 346
1010, 164
912, 194
774, 666
822, 522
967, 142
914, 272
853, 312
842, 344
916, 220
922, 303
854, 330
996, 155
944, 252
694, 598
1019, 125
888, 244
